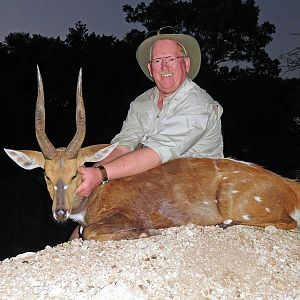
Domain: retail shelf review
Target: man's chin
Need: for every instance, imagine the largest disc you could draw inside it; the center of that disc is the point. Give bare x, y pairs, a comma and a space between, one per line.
167, 88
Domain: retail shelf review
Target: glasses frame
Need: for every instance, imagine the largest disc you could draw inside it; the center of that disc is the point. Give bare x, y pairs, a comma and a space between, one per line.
162, 59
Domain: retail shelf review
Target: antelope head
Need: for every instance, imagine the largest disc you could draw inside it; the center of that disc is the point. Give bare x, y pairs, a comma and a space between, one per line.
61, 164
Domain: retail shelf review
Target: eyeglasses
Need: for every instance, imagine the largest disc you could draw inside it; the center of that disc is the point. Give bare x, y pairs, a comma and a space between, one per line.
162, 30
170, 60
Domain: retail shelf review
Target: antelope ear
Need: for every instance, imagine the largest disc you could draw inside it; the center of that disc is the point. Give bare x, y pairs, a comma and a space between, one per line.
96, 153
27, 159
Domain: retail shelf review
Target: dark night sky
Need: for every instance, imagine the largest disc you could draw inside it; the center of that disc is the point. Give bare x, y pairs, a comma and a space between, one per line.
55, 17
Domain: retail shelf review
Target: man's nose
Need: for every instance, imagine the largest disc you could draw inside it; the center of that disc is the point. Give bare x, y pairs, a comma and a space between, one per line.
164, 63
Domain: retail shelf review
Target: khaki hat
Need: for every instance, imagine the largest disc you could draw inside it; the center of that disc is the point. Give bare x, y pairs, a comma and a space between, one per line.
188, 42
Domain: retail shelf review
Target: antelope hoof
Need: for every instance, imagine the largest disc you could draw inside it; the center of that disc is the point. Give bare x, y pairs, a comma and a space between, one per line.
227, 223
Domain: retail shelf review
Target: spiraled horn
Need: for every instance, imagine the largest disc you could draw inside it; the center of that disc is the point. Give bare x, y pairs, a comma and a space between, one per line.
46, 146
75, 145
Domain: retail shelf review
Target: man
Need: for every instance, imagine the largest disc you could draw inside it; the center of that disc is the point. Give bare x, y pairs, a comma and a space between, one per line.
174, 119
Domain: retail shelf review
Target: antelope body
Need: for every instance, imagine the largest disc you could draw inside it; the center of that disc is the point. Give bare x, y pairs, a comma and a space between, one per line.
204, 191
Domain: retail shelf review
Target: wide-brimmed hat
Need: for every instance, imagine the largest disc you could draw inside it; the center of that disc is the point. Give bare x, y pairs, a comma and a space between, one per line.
188, 42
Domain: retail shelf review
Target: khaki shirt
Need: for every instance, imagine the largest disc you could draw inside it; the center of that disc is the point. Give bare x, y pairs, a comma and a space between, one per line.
189, 124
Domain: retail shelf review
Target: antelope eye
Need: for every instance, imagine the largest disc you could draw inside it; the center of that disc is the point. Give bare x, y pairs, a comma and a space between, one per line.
47, 177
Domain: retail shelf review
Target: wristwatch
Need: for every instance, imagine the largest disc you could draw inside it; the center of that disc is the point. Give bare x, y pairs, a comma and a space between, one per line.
104, 175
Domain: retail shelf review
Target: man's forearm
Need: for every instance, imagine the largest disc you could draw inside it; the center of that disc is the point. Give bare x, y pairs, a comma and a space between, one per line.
132, 163
118, 151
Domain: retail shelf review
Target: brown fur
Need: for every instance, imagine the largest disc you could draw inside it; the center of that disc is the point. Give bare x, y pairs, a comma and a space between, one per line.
202, 191
192, 190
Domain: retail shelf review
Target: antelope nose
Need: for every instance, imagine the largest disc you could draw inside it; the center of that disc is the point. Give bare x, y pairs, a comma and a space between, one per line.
61, 215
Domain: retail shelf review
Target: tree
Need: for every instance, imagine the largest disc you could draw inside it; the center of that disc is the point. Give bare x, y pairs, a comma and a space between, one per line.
227, 31
235, 69
77, 36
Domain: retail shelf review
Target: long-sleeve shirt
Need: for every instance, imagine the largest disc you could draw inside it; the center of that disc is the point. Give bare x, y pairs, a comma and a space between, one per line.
188, 125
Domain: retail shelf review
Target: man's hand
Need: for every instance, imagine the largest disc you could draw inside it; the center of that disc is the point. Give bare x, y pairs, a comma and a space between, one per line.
91, 178
129, 164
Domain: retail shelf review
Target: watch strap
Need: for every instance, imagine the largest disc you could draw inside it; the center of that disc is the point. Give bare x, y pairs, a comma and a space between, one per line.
103, 172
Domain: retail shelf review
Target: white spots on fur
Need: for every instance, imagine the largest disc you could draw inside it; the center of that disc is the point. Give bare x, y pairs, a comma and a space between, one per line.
205, 202
268, 209
225, 177
235, 192
246, 217
216, 166
296, 216
258, 199
242, 162
227, 222
55, 188
235, 172
66, 186
79, 217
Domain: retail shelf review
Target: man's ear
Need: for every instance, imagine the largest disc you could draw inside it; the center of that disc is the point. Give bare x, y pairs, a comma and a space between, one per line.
187, 62
149, 69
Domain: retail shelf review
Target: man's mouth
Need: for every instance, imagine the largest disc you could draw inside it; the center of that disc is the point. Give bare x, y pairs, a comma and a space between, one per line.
166, 74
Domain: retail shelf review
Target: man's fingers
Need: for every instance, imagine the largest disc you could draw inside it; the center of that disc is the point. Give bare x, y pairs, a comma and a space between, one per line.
88, 181
81, 191
81, 170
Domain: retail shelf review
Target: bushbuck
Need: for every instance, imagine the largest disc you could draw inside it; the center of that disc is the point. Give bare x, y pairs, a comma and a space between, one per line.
203, 191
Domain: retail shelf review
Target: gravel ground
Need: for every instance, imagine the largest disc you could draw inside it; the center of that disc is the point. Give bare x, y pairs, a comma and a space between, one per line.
189, 262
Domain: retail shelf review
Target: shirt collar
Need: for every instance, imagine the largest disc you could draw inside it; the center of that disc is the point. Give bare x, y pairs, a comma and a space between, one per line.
178, 92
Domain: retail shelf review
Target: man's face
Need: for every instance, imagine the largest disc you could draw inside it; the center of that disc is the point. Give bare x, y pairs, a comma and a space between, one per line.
168, 75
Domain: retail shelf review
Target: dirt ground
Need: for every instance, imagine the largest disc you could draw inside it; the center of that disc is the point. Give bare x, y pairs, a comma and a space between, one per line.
189, 262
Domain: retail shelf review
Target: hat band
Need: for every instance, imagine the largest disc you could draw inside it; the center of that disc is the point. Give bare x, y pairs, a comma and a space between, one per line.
162, 30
